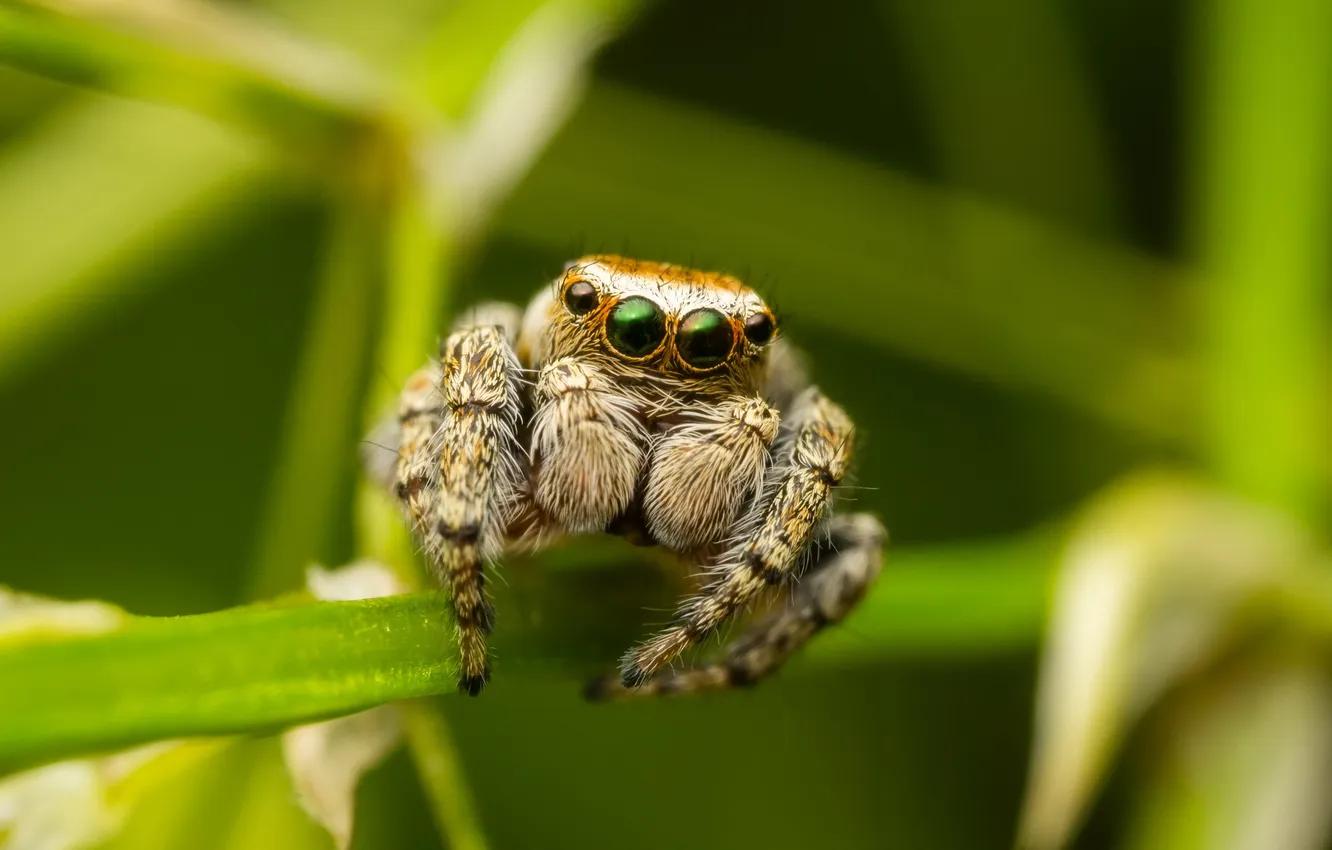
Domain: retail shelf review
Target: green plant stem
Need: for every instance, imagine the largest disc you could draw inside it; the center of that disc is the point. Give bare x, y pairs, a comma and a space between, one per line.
260, 668
247, 669
319, 440
442, 776
1264, 211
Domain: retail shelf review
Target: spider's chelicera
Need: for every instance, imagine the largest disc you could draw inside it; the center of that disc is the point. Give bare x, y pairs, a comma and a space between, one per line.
648, 400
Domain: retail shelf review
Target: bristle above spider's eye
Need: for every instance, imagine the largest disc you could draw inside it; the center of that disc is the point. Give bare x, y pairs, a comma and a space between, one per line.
705, 339
759, 328
581, 298
636, 327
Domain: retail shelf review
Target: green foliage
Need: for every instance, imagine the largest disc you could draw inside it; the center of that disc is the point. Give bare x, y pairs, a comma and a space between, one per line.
229, 232
253, 668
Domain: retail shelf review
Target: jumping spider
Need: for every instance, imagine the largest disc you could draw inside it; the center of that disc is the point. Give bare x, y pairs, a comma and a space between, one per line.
651, 401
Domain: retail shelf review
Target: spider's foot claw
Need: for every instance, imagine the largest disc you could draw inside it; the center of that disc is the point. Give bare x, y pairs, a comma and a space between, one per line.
634, 676
473, 685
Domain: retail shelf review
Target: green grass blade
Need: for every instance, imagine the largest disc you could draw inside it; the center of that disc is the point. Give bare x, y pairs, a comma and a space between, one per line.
1037, 139
869, 253
1264, 211
258, 668
442, 777
322, 422
239, 670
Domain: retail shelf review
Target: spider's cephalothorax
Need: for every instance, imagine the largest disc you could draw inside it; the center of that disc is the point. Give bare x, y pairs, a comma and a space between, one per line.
648, 400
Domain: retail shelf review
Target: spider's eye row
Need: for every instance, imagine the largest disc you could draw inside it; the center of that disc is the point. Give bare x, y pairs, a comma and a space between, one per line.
581, 298
705, 339
635, 327
759, 328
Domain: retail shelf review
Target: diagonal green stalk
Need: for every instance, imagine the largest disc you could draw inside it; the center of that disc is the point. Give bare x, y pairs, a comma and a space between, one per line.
203, 59
442, 776
319, 438
1264, 211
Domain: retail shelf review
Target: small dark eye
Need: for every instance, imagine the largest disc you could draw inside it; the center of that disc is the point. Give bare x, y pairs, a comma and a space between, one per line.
759, 328
705, 339
581, 298
635, 327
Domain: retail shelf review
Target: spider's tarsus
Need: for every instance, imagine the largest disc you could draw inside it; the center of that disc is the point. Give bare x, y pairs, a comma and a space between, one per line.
633, 676
473, 685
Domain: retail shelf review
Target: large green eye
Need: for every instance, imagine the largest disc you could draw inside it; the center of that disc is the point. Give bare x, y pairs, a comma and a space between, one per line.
705, 339
635, 327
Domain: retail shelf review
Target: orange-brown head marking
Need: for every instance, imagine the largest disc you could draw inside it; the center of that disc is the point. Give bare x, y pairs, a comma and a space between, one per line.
675, 319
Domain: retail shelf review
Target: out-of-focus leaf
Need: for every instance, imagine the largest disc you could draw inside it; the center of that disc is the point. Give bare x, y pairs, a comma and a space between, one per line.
1263, 212
994, 131
268, 813
530, 89
526, 65
72, 805
326, 761
203, 56
323, 412
24, 617
869, 253
442, 776
362, 580
960, 599
96, 193
1159, 574
1243, 762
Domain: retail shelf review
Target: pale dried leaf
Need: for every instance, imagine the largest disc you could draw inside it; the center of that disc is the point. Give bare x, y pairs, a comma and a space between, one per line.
1244, 763
23, 616
71, 804
1157, 576
530, 90
326, 761
360, 580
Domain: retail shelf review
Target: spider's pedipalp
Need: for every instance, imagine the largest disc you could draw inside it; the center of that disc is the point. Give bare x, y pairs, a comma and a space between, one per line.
813, 454
587, 447
704, 469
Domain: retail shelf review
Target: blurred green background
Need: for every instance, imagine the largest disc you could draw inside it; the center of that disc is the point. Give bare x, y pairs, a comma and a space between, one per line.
1030, 246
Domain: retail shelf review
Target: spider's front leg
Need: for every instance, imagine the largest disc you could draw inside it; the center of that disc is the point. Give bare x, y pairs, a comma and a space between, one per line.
459, 469
843, 567
774, 540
